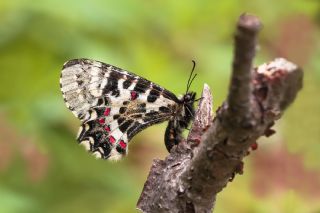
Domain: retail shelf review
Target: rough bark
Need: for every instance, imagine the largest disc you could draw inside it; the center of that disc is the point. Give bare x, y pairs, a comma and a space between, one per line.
189, 179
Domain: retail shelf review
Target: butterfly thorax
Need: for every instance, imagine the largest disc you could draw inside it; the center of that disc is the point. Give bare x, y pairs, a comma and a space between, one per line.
181, 120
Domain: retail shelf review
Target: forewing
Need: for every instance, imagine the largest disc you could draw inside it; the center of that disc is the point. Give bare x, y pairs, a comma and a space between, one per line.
85, 84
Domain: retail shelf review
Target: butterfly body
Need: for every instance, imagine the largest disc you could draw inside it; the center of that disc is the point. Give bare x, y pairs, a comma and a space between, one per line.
114, 105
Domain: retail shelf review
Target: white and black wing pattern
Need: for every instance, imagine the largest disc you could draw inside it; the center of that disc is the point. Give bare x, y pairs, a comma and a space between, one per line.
113, 105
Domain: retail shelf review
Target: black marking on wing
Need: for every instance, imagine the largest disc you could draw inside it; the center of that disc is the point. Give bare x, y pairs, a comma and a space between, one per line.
153, 96
170, 95
116, 116
131, 131
100, 102
122, 110
121, 120
125, 125
106, 146
120, 150
127, 83
136, 116
142, 105
142, 85
112, 85
164, 109
152, 113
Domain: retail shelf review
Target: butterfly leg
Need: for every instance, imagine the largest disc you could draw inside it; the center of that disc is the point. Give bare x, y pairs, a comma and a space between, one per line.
172, 135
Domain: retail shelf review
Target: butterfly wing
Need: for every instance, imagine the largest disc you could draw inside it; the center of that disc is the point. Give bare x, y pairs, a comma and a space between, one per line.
113, 104
107, 136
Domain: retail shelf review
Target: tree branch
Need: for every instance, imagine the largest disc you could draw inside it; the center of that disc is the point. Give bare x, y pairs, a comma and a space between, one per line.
189, 179
240, 88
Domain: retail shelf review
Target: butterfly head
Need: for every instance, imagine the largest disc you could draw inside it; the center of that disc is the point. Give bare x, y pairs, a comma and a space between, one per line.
189, 98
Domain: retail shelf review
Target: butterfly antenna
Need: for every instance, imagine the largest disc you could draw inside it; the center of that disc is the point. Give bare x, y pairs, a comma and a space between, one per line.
191, 77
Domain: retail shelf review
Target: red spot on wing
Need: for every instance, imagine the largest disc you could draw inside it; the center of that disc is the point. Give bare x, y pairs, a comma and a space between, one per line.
112, 139
107, 128
107, 111
134, 95
102, 120
123, 144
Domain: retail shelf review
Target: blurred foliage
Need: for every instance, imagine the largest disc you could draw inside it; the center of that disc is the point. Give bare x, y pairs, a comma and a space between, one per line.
41, 167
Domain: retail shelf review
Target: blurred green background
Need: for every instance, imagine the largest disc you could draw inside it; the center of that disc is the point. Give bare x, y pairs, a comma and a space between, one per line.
42, 169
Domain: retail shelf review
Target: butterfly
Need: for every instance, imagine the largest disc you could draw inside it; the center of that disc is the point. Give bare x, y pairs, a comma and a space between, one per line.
114, 105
